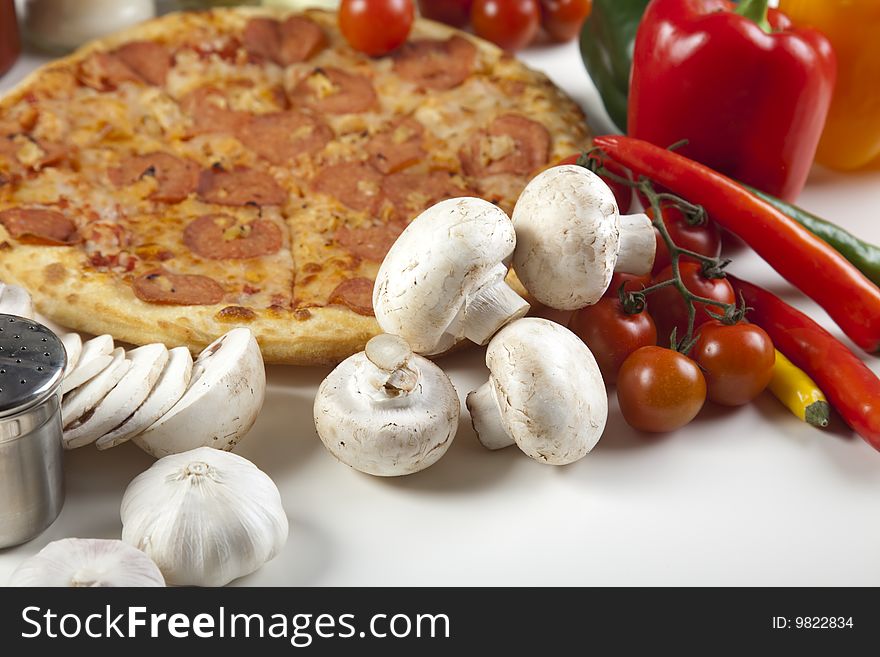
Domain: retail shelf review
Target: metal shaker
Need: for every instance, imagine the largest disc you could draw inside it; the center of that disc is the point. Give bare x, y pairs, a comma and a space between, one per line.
32, 361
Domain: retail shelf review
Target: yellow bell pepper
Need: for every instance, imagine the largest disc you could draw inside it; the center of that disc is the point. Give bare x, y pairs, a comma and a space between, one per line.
798, 392
851, 138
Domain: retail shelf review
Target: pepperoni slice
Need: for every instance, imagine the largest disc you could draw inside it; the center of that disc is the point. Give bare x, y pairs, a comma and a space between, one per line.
295, 40
105, 72
163, 287
210, 112
177, 177
356, 293
413, 192
149, 60
240, 186
397, 146
280, 136
511, 144
369, 242
221, 237
435, 64
333, 91
38, 226
31, 153
355, 184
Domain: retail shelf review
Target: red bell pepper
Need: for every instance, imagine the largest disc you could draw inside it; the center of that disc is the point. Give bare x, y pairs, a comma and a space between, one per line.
852, 389
748, 92
803, 259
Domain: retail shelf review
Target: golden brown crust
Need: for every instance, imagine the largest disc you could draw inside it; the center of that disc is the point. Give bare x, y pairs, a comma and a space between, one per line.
104, 302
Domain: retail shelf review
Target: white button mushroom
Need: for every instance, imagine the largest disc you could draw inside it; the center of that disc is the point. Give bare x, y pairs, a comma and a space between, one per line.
571, 238
443, 279
93, 359
386, 411
88, 562
545, 393
15, 300
220, 406
78, 403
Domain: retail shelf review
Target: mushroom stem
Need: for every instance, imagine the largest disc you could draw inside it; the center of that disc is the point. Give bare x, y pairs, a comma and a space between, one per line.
491, 307
638, 245
392, 357
486, 418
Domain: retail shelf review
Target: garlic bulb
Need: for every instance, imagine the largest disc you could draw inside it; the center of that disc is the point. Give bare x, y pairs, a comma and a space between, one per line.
206, 517
79, 562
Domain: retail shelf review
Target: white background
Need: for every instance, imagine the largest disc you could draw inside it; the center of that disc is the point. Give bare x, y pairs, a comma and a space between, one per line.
748, 496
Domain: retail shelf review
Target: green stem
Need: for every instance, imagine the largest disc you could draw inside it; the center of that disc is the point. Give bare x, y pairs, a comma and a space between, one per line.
755, 11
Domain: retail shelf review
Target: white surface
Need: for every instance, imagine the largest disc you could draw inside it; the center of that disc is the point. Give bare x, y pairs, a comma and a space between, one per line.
745, 496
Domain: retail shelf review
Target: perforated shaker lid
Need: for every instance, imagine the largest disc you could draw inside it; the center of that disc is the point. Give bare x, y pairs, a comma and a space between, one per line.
32, 361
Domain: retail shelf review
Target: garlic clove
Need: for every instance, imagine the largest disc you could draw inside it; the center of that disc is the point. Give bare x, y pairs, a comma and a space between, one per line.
79, 402
206, 517
221, 404
15, 300
73, 348
124, 399
88, 562
93, 359
168, 390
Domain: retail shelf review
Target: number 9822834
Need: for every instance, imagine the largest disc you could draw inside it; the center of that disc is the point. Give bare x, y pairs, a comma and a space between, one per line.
823, 622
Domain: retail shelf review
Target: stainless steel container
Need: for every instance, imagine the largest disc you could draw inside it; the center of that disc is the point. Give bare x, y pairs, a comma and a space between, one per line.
32, 361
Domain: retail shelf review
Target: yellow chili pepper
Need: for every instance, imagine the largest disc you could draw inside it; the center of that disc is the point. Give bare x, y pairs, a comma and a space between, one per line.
851, 138
798, 392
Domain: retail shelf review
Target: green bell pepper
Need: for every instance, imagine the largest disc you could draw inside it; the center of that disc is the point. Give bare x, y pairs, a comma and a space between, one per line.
607, 40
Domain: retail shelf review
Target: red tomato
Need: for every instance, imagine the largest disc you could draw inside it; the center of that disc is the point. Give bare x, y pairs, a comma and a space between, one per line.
376, 27
509, 24
668, 307
622, 193
705, 240
631, 283
562, 19
737, 360
611, 334
451, 12
659, 389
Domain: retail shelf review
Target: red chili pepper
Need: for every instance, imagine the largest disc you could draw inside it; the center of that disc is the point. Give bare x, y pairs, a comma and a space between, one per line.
748, 92
806, 261
852, 388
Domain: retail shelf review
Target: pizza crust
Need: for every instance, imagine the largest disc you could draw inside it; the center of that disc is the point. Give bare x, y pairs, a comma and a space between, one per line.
101, 302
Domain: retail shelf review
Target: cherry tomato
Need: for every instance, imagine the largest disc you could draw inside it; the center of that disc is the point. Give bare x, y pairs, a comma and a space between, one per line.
668, 307
705, 240
659, 389
376, 27
737, 360
562, 19
509, 24
451, 12
622, 193
630, 282
611, 334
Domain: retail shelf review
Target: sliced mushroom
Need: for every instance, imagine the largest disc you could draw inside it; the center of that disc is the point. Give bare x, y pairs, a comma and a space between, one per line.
443, 279
73, 346
168, 390
78, 403
571, 238
221, 404
94, 358
124, 399
386, 411
545, 393
15, 300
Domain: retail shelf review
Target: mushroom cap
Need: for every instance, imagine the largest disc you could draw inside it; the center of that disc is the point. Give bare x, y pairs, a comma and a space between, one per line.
568, 237
386, 436
551, 395
444, 256
225, 395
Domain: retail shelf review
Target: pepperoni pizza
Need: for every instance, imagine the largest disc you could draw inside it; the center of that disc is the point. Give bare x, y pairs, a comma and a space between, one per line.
247, 167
